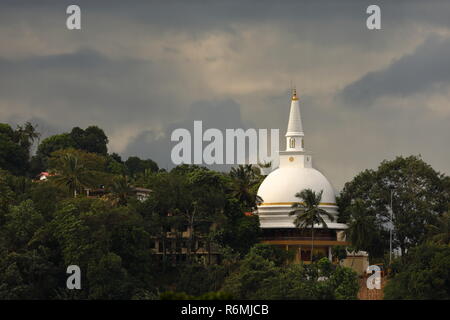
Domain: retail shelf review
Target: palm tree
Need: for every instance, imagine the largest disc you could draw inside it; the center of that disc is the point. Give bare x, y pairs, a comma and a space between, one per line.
265, 164
71, 173
361, 227
120, 191
308, 213
246, 179
440, 233
27, 135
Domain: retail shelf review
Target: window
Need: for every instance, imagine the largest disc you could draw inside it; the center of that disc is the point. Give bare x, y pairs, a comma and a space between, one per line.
303, 143
291, 143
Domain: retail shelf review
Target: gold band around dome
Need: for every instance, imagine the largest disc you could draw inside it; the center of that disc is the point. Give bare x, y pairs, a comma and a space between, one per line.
291, 203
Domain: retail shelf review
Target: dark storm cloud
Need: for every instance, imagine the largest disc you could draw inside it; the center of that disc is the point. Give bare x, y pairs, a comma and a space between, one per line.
329, 22
222, 115
427, 67
67, 75
143, 68
217, 13
85, 84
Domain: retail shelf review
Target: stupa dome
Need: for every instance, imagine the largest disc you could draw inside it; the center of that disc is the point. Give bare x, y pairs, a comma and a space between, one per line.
294, 174
281, 185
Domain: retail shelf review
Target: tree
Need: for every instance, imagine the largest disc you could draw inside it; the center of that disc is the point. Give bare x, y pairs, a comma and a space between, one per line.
108, 279
115, 156
26, 269
259, 277
440, 232
237, 230
246, 180
197, 278
72, 174
22, 222
272, 253
205, 201
55, 143
27, 135
7, 196
362, 231
92, 161
422, 273
46, 197
14, 150
120, 191
247, 282
115, 165
420, 195
52, 144
79, 169
27, 274
92, 139
192, 196
345, 284
339, 253
158, 209
308, 213
110, 243
136, 165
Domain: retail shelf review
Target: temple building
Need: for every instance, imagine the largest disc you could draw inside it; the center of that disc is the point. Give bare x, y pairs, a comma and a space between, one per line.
294, 174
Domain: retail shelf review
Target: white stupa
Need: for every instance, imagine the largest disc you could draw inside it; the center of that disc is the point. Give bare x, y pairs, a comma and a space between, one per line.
295, 173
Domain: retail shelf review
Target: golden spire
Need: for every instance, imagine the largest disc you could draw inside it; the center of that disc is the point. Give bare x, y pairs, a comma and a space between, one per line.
294, 94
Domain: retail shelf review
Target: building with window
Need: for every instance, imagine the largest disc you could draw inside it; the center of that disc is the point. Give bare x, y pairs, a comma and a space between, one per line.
294, 174
176, 244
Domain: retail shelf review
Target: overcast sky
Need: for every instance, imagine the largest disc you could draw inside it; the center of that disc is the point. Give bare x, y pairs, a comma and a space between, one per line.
141, 69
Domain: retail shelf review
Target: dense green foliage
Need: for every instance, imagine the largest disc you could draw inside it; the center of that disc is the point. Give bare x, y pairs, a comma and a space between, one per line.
136, 165
46, 226
423, 273
260, 275
15, 147
88, 213
93, 140
420, 224
420, 195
